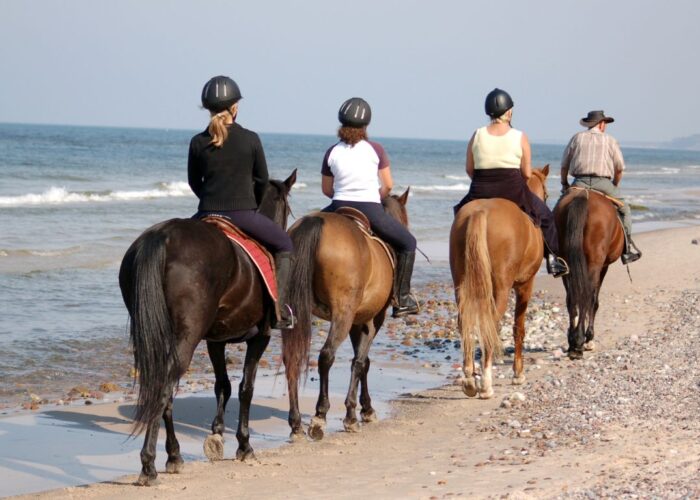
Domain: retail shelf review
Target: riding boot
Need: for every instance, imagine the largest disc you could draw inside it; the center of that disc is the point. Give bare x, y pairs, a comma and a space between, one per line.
628, 255
556, 266
284, 317
407, 304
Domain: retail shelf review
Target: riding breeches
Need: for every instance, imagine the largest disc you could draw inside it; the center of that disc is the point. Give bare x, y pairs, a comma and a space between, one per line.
253, 223
383, 224
605, 186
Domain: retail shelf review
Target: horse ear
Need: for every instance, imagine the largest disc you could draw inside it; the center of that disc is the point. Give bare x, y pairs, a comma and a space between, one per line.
291, 180
545, 170
404, 197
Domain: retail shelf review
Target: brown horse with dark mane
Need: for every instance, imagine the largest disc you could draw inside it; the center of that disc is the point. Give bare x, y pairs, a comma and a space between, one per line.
183, 282
342, 275
591, 238
494, 246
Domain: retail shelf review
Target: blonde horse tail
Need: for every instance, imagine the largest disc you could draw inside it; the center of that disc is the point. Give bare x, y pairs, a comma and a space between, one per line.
477, 309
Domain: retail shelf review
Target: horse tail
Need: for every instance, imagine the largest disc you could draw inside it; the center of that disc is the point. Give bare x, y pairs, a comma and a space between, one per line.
296, 341
477, 308
151, 332
580, 288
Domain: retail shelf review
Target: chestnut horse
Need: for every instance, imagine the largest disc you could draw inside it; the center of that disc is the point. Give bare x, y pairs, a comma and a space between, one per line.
590, 238
494, 246
182, 282
342, 276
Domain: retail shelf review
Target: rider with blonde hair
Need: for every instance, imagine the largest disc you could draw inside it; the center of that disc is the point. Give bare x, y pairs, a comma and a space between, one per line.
227, 171
499, 164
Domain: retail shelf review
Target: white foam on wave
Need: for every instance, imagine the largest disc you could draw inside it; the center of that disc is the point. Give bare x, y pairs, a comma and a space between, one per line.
60, 195
440, 187
457, 177
660, 171
299, 185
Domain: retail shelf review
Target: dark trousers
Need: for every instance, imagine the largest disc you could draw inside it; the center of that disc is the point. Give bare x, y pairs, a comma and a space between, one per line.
256, 225
547, 225
384, 225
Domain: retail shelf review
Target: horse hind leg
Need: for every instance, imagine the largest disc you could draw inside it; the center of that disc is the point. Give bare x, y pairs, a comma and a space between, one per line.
590, 333
340, 326
362, 337
214, 443
175, 463
522, 297
149, 474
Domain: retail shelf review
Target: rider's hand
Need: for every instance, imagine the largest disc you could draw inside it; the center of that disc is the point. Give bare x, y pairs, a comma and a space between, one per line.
564, 187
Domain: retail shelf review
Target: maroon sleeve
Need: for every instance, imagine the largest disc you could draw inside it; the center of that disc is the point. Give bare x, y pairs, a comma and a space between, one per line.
325, 168
383, 157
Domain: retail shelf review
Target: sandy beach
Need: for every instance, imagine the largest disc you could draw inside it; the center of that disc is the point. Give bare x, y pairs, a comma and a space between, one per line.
622, 423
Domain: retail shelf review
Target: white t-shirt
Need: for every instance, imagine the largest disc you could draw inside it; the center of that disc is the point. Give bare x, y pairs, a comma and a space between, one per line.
355, 170
497, 151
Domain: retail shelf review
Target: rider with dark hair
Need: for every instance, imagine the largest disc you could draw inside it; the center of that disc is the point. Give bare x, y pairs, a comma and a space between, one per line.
499, 164
356, 173
227, 171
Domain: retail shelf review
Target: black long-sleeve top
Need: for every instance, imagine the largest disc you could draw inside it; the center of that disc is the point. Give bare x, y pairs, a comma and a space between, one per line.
231, 177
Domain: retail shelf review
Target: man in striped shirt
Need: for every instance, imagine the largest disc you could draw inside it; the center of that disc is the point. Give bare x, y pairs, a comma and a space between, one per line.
593, 158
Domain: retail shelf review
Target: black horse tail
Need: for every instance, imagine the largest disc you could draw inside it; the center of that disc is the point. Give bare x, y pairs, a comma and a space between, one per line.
151, 332
580, 288
296, 341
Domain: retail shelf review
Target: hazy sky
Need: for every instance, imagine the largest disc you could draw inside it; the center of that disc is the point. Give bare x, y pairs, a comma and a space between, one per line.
425, 67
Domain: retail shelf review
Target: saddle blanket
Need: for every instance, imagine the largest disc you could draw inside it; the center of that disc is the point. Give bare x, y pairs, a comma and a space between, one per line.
262, 259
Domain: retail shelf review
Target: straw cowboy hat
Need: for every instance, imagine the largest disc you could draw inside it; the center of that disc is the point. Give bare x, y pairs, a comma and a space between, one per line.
594, 118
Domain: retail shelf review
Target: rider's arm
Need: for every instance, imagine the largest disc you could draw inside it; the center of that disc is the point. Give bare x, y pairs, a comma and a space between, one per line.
470, 158
565, 162
525, 160
260, 174
386, 182
618, 176
327, 185
618, 162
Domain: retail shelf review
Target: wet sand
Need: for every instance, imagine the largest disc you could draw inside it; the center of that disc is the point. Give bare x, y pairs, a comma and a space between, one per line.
622, 422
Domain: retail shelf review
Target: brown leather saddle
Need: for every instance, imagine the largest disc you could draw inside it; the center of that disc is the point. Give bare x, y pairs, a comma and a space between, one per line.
612, 199
363, 223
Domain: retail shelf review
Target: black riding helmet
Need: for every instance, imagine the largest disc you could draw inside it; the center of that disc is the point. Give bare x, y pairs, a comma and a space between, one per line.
497, 102
220, 93
355, 112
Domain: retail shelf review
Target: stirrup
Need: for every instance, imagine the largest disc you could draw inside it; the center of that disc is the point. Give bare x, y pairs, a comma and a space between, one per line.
286, 323
563, 270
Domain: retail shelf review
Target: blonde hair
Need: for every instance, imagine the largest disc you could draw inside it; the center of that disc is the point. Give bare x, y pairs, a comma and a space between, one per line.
218, 128
504, 118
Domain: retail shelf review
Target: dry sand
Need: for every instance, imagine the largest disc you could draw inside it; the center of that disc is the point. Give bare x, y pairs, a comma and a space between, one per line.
621, 423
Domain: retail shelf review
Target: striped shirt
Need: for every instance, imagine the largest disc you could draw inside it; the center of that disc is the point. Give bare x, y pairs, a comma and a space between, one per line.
593, 152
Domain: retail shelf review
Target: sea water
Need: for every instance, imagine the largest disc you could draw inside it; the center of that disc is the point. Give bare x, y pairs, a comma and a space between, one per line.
72, 199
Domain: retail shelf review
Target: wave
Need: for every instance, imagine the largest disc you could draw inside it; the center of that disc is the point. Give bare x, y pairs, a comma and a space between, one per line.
25, 252
440, 187
457, 177
660, 171
60, 195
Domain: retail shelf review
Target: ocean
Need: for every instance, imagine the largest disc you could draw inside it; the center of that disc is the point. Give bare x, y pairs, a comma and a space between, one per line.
72, 199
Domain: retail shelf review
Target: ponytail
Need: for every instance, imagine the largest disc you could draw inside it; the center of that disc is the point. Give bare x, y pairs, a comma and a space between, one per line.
218, 126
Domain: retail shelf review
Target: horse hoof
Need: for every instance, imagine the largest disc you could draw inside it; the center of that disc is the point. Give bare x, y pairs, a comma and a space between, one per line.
575, 355
316, 428
214, 447
589, 346
244, 454
486, 394
519, 380
146, 480
369, 416
351, 425
469, 387
297, 436
174, 466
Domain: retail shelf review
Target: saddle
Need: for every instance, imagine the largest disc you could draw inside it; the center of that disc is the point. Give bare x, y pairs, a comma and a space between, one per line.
363, 224
263, 260
612, 199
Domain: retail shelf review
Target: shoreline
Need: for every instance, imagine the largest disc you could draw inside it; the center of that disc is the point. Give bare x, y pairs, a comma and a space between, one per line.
664, 268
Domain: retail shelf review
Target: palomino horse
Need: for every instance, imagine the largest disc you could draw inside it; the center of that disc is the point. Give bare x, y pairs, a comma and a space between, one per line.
343, 276
183, 281
494, 246
591, 238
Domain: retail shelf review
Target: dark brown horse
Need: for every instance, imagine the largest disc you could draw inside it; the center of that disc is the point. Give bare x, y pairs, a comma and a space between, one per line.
591, 238
346, 278
494, 246
182, 282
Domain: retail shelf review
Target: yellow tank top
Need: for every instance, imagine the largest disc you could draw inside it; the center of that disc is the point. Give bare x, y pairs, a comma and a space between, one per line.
494, 151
